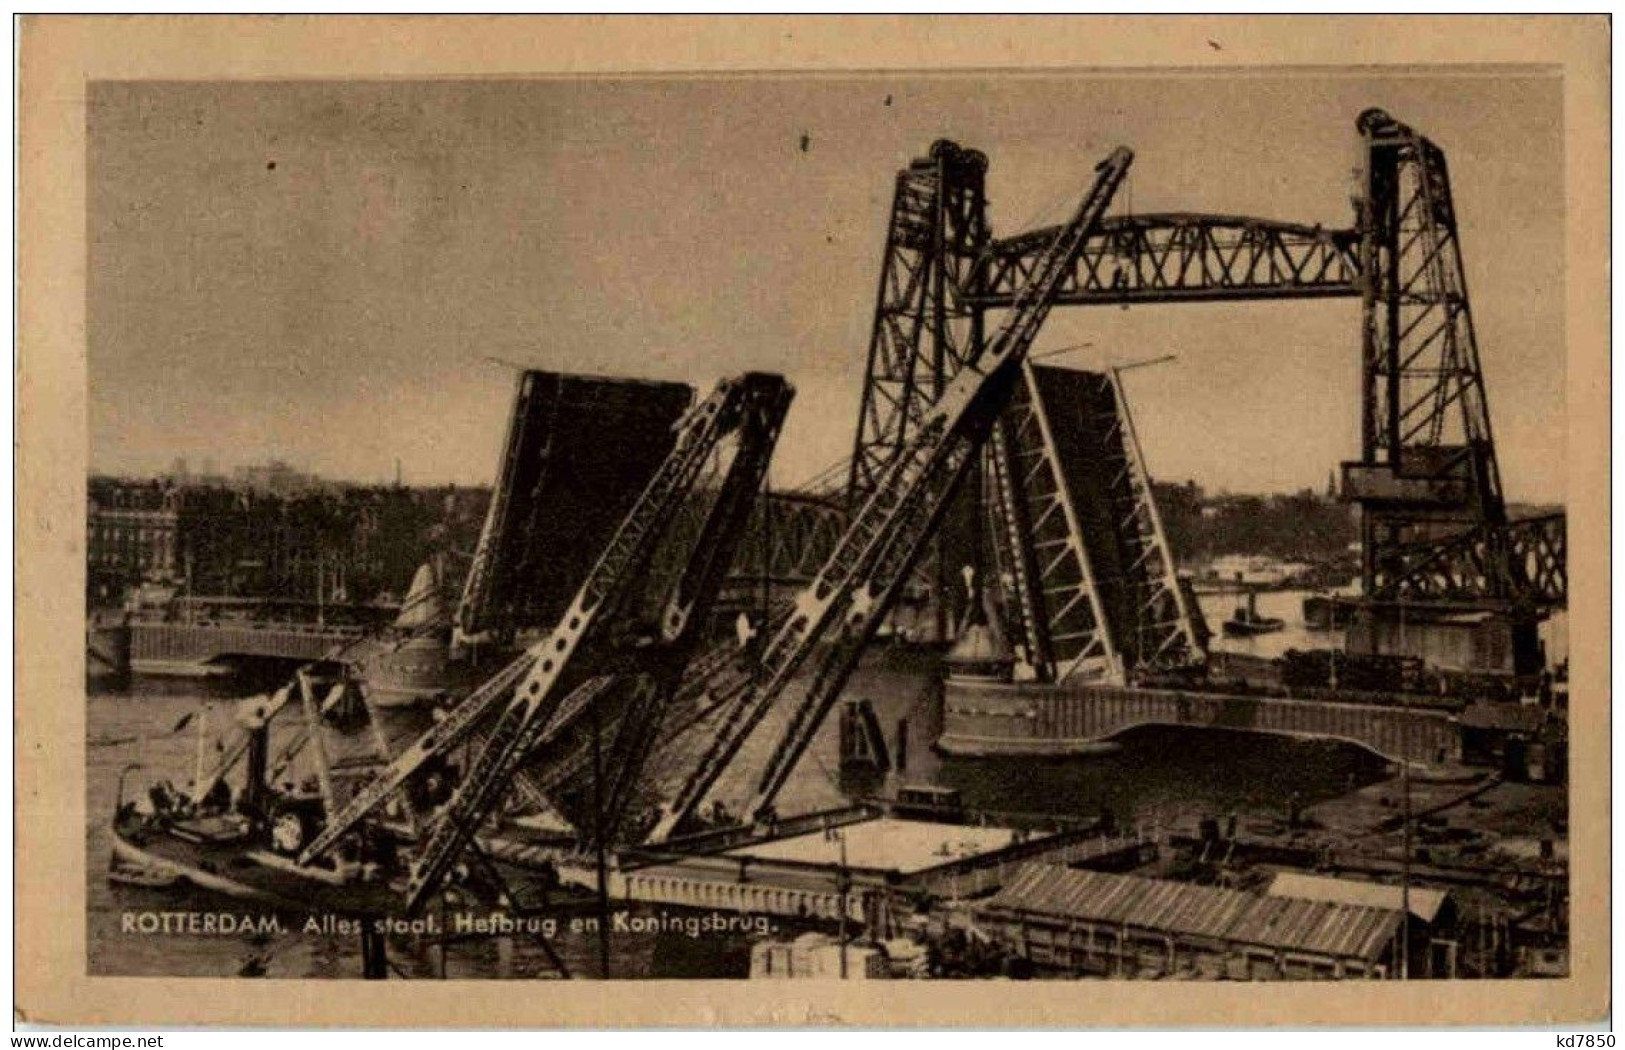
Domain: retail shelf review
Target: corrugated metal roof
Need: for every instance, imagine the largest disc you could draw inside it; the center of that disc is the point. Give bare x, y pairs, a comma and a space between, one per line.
1425, 903
1286, 923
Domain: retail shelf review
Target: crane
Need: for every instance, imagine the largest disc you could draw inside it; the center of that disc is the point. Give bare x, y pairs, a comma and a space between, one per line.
595, 625
887, 535
581, 665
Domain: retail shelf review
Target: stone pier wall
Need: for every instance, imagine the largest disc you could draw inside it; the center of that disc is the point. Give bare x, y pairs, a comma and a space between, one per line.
988, 718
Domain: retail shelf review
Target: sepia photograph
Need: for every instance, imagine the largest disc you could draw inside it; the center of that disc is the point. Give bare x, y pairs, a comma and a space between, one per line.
1038, 525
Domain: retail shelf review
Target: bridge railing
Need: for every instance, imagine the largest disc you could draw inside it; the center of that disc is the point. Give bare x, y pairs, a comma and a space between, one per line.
265, 626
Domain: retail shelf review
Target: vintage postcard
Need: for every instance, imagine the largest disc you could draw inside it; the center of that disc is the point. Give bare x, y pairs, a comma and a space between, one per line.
1065, 503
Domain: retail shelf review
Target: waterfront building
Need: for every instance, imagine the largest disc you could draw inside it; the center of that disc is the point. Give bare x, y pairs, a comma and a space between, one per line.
131, 537
352, 543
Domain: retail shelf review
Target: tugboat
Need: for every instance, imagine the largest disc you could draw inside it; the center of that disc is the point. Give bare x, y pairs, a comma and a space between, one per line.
1245, 621
240, 841
236, 827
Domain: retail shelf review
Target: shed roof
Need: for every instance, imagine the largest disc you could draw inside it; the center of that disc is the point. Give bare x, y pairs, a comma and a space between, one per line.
1327, 928
884, 844
1425, 903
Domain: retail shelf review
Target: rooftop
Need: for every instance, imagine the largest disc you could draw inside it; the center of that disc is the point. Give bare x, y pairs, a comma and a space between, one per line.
1206, 912
1425, 903
885, 844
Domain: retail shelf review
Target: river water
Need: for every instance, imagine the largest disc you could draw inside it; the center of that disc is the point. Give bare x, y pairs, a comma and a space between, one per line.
1156, 775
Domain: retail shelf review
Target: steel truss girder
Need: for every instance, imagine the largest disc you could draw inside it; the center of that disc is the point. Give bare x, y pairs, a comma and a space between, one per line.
1183, 257
1041, 547
788, 537
1095, 583
477, 585
1424, 413
753, 407
1164, 633
1523, 562
1424, 386
925, 327
1015, 565
585, 657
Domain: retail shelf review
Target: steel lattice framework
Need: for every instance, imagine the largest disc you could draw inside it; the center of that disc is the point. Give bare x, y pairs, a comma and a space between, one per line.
925, 324
1088, 577
605, 656
925, 329
1161, 625
789, 536
1039, 547
1434, 521
1078, 543
1184, 257
839, 612
1522, 561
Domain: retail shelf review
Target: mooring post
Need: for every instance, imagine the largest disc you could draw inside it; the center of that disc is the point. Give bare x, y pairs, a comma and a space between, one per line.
374, 953
505, 957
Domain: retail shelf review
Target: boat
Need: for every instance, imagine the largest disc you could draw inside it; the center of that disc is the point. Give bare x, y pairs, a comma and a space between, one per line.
242, 840
1245, 621
130, 870
168, 857
1241, 627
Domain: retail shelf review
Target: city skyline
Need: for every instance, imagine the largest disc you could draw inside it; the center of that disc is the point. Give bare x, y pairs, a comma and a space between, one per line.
334, 274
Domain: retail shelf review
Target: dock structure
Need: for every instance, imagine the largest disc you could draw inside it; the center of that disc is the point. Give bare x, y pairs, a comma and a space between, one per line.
858, 861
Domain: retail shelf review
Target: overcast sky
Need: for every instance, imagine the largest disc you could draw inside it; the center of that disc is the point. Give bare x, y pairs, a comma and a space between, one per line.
318, 271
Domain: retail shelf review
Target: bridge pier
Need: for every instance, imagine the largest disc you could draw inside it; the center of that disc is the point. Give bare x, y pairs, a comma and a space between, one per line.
995, 718
107, 651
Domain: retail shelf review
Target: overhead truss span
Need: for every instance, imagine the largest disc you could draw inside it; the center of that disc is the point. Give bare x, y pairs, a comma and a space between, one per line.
1183, 257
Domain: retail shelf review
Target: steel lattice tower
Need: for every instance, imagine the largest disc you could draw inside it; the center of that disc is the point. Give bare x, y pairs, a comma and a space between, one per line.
1428, 468
925, 325
1068, 616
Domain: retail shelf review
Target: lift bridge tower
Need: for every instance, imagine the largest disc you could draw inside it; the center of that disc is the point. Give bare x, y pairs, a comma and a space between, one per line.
1435, 529
926, 326
1058, 509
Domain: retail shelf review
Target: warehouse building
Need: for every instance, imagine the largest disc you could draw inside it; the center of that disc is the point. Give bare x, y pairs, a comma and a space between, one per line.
1090, 922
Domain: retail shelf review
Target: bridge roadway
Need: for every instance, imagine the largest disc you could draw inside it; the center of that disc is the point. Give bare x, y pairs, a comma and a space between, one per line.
163, 646
996, 718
